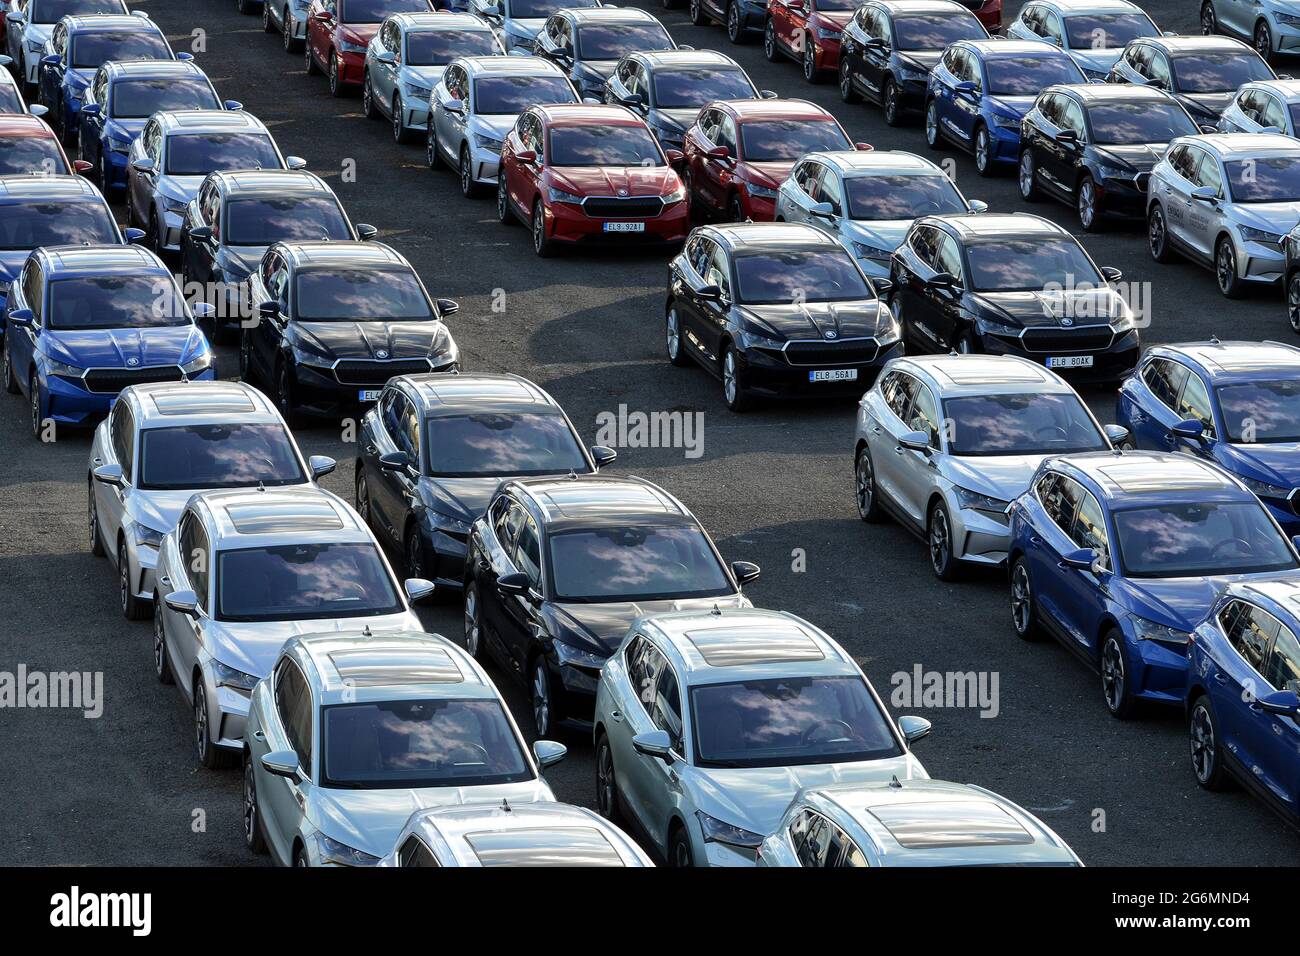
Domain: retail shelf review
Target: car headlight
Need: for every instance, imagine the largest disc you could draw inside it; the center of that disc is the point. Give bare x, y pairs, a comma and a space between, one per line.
177, 206
340, 854
978, 502
487, 142
1259, 235
866, 251
677, 195
824, 34
761, 191
1096, 75
1290, 19
226, 676
119, 145
1006, 121
559, 195
1122, 323
1114, 172
1146, 630
146, 535
348, 47
915, 75
1263, 489
445, 522
888, 334
418, 92
35, 46
312, 359
718, 831
568, 654
55, 367
198, 363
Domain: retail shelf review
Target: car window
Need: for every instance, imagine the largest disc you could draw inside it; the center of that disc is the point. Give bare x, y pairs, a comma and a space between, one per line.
829, 190
897, 391
293, 700
1089, 529
1251, 632
1208, 173
727, 134
1165, 379
667, 712
1072, 116
515, 519
415, 853
651, 664
1060, 496
923, 416
1158, 71
948, 258
408, 436
924, 242
824, 845
1273, 114
122, 438
198, 560
1194, 403
718, 272
1283, 668
1052, 30
527, 554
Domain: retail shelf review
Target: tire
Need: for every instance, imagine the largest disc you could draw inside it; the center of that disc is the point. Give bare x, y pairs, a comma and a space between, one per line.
541, 698
673, 335
283, 390
544, 247
770, 49
847, 93
244, 6
468, 187
1158, 235
1206, 750
889, 103
607, 799
361, 497
209, 754
335, 81
7, 369
1292, 306
268, 25
92, 520
695, 13
286, 33
473, 626
34, 405
154, 236
679, 849
162, 665
965, 344
938, 539
245, 357
401, 135
933, 135
368, 108
984, 153
735, 209
133, 609
310, 61
864, 486
505, 214
734, 390
736, 31
1116, 688
808, 62
414, 555
1024, 610
1209, 19
432, 152
1085, 205
1025, 178
1262, 40
299, 858
1225, 270
254, 838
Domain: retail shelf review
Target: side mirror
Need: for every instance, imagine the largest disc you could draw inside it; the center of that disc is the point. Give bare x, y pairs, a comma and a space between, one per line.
1081, 558
36, 109
863, 147
676, 158
1111, 274
914, 728
527, 156
977, 205
1191, 429
768, 95
233, 106
448, 307
204, 310
144, 166
654, 743
386, 56
282, 763
183, 602
1207, 128
52, 60
15, 18
321, 465
492, 11
720, 153
454, 106
109, 475
549, 752
295, 162
90, 109
1280, 702
822, 210
22, 318
883, 287
916, 441
185, 57
745, 571
516, 583
1117, 434
965, 88
134, 236
268, 309
1205, 194
875, 43
200, 233
602, 455
394, 461
942, 280
418, 589
1067, 137
365, 231
634, 101
710, 293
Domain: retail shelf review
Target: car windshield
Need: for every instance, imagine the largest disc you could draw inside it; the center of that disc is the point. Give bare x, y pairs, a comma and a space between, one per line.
217, 456
493, 445
1266, 179
511, 95
440, 47
1024, 265
1196, 540
878, 198
136, 99
26, 225
781, 278
635, 563
1217, 72
693, 88
1261, 411
1020, 424
299, 582
92, 50
1029, 75
541, 9
789, 721
613, 145
114, 302
374, 11
1294, 110
774, 141
360, 295
52, 11
836, 6
197, 154
936, 31
1141, 121
613, 41
1107, 31
20, 155
260, 222
406, 744
10, 101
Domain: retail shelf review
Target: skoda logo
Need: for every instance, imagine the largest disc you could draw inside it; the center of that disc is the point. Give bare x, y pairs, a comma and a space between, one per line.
382, 353
1066, 320
133, 362
622, 192
831, 333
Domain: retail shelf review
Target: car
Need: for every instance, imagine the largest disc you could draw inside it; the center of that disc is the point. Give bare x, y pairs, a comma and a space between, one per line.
82, 322
477, 103
1012, 285
740, 151
518, 22
1093, 147
917, 823
162, 442
777, 310
28, 147
1203, 73
338, 32
557, 568
435, 448
743, 19
1272, 26
890, 46
351, 730
873, 198
590, 174
121, 98
944, 443
1119, 555
523, 834
79, 46
28, 29
807, 31
242, 572
980, 91
1093, 32
588, 42
1226, 201
336, 320
236, 216
708, 722
1290, 247
11, 96
289, 19
1243, 675
670, 87
1231, 403
170, 159
406, 59
1272, 105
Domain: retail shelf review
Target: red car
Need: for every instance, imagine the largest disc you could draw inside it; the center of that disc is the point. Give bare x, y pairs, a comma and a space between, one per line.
29, 147
740, 151
338, 32
809, 31
988, 12
596, 174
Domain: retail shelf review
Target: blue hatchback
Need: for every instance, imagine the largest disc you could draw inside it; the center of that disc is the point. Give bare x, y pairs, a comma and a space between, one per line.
84, 322
1120, 555
981, 90
1234, 403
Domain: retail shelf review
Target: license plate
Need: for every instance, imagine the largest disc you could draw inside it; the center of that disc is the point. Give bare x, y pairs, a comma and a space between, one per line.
1070, 361
625, 227
834, 375
369, 394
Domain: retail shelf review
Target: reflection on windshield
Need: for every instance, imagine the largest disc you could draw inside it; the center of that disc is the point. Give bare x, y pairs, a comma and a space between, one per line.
295, 582
1217, 72
685, 89
1143, 121
440, 47
613, 145
1022, 265
936, 32
612, 41
137, 99
631, 563
217, 456
1272, 179
1021, 424
1029, 75
52, 11
359, 295
1195, 540
20, 155
1261, 411
511, 95
197, 154
781, 278
496, 445
28, 225
881, 198
260, 222
1107, 31
114, 302
767, 141
93, 50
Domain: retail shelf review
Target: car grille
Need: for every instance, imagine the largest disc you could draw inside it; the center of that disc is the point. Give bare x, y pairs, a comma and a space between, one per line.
845, 352
1088, 338
369, 372
116, 379
636, 207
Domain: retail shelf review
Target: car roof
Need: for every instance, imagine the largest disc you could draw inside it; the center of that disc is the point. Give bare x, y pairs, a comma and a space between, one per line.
356, 667
1129, 477
1245, 145
110, 23
610, 14
997, 225
1098, 92
23, 125
749, 237
1289, 88
669, 58
207, 121
1185, 45
1233, 361
509, 66
47, 188
902, 7
164, 404
269, 182
440, 20
744, 110
438, 393
587, 500
585, 114
957, 375
1070, 8
60, 262
887, 162
160, 69
996, 46
247, 518
319, 254
1281, 591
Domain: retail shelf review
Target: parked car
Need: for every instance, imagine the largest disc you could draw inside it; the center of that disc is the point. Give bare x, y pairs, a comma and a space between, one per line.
11, 94
588, 42
1291, 276
518, 22
338, 32
1264, 105
807, 31
1271, 27
1202, 73
28, 28
289, 19
1093, 32
743, 19
28, 147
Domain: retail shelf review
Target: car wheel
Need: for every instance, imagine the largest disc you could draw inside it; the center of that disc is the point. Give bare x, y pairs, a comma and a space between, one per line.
1024, 612
864, 479
543, 246
244, 6
368, 108
893, 108
469, 188
473, 626
133, 609
10, 381
540, 690
432, 151
286, 32
162, 667
268, 25
811, 73
505, 214
1225, 270
769, 43
695, 12
400, 133
335, 81
1027, 177
847, 93
679, 849
130, 206
733, 382
309, 60
1116, 687
1209, 19
245, 356
36, 407
209, 754
1263, 38
735, 209
984, 152
300, 858
1158, 235
606, 782
735, 29
933, 138
1085, 204
676, 354
253, 836
92, 520
284, 399
415, 563
938, 538
1207, 755
153, 236
363, 497
1292, 308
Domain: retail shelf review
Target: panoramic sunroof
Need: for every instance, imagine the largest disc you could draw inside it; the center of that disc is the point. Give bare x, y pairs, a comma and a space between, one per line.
951, 823
271, 517
1135, 477
558, 846
184, 400
392, 667
738, 646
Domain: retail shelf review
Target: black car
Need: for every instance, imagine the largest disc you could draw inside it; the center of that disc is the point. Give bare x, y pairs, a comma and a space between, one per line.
436, 447
670, 88
890, 46
1291, 246
335, 321
1093, 146
588, 43
1012, 285
777, 309
559, 568
236, 216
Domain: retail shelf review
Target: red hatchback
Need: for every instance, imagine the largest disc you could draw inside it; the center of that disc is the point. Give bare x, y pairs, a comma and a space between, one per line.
590, 174
338, 32
740, 151
28, 147
809, 31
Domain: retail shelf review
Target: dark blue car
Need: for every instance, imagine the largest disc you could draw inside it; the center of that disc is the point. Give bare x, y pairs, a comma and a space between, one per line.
1243, 677
981, 90
84, 322
1119, 555
1234, 403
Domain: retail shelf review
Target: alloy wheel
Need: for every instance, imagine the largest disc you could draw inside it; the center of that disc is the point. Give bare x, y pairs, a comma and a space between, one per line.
35, 406
932, 124
1112, 674
891, 103
250, 804
472, 632
363, 499
399, 128
201, 739
414, 556
1156, 233
1225, 266
159, 645
982, 150
1292, 302
1209, 21
735, 32
1026, 177
846, 81
866, 484
1022, 603
286, 31
431, 144
1263, 41
334, 76
92, 518
123, 578
729, 376
809, 62
541, 698
1087, 204
1202, 743
940, 541
605, 781
674, 334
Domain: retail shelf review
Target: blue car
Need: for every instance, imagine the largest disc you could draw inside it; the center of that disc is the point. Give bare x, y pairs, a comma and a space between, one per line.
122, 96
1236, 404
1119, 555
79, 46
84, 322
981, 90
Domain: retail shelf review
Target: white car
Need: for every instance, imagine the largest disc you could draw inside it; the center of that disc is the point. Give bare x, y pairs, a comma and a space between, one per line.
1093, 32
1272, 105
289, 18
29, 23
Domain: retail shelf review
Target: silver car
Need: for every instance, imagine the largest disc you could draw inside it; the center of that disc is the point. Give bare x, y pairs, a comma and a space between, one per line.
520, 834
289, 17
518, 22
1093, 32
708, 722
945, 442
1271, 26
28, 25
917, 823
406, 59
352, 730
244, 571
1272, 105
1226, 201
868, 200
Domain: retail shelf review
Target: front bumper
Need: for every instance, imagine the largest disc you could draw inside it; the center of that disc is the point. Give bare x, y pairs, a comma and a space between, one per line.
1125, 198
979, 537
1259, 262
1004, 144
770, 372
573, 688
758, 208
753, 15
352, 68
912, 93
142, 560
447, 549
826, 54
1158, 671
317, 391
227, 714
69, 402
1286, 36
566, 222
1111, 364
115, 165
486, 164
171, 230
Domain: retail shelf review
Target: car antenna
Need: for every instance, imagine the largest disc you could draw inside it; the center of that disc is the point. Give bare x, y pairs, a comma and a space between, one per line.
505, 805
185, 379
717, 611
1214, 339
893, 782
261, 486
366, 632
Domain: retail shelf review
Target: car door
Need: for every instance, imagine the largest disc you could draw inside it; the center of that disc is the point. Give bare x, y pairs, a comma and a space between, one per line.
282, 800
1064, 159
1275, 738
267, 334
778, 12
1238, 681
521, 619
714, 314
1150, 421
92, 123
1194, 405
495, 561
719, 171
110, 499
321, 32
1176, 192
915, 468
383, 74
185, 632
662, 783
804, 178
388, 487
21, 340
944, 305
912, 267
201, 253
141, 182
964, 107
877, 52
523, 178
1201, 228
853, 43
642, 783
1047, 542
885, 426
696, 256
451, 107
1083, 591
1273, 112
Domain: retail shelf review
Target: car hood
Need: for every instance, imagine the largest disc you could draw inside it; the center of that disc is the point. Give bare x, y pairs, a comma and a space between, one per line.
127, 127
1181, 603
1213, 103
498, 126
1280, 217
11, 263
882, 233
615, 180
160, 510
1141, 156
684, 117
364, 32
37, 32
365, 340
247, 258
1014, 105
1279, 460
605, 68
464, 498
1047, 309
1005, 477
124, 348
602, 627
818, 321
424, 75
1098, 61
771, 173
839, 19
180, 187
921, 59
253, 647
78, 78
526, 25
